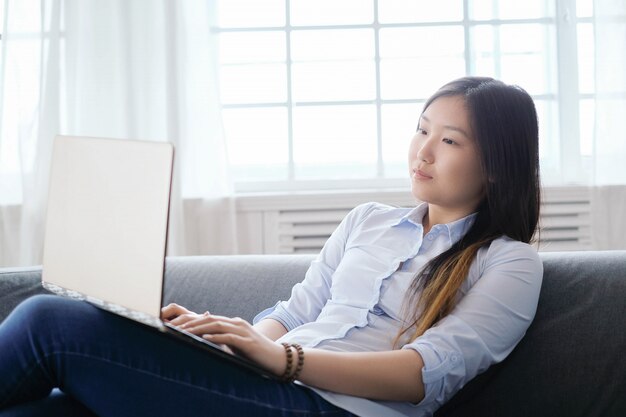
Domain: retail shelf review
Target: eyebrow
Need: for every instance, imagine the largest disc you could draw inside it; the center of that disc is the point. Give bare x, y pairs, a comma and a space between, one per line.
449, 127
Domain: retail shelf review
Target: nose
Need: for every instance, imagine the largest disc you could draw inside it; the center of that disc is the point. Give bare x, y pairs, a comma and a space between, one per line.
425, 151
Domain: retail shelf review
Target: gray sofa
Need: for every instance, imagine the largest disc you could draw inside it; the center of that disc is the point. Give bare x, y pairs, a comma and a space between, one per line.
572, 361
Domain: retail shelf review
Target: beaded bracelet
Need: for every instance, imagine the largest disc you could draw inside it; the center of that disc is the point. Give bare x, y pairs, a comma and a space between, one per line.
288, 376
300, 362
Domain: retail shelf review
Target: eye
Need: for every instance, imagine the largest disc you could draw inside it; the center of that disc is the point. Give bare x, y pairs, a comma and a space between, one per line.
449, 141
421, 131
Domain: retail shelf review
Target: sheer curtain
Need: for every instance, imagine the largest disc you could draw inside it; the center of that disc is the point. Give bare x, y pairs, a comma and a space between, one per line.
140, 69
608, 195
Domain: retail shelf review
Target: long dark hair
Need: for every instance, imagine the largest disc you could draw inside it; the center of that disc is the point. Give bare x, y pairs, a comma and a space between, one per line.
504, 125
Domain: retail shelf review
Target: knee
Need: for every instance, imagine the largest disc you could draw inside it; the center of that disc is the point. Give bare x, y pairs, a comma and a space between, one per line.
42, 309
42, 304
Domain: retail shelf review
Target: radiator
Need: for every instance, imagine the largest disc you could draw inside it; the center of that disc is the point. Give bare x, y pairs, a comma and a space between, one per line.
304, 224
565, 221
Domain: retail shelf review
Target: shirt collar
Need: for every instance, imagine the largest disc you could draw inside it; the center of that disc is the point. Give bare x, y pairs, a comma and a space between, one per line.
415, 216
455, 229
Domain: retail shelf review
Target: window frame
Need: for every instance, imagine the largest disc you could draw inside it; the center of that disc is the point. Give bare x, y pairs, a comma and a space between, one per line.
567, 99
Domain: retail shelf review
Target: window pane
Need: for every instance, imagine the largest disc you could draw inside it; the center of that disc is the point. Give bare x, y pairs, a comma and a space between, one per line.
334, 141
507, 9
436, 56
408, 11
331, 81
330, 12
333, 65
523, 60
587, 122
399, 122
549, 142
501, 53
584, 8
586, 52
332, 44
25, 17
1, 20
251, 47
484, 51
255, 83
250, 13
257, 143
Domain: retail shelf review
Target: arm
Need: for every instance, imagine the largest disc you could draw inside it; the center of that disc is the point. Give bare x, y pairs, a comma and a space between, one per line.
307, 298
487, 323
271, 329
310, 296
392, 375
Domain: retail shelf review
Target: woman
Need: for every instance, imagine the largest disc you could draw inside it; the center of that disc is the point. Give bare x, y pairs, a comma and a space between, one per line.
401, 308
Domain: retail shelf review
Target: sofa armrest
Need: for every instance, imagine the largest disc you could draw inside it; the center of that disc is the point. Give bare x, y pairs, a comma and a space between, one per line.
17, 284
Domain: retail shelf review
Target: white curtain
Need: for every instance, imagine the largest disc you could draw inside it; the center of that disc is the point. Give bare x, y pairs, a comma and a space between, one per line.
610, 66
141, 69
608, 196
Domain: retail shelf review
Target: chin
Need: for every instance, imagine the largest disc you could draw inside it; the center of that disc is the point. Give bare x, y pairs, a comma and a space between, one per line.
419, 195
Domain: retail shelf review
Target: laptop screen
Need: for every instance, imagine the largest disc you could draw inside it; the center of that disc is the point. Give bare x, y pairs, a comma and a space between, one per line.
107, 218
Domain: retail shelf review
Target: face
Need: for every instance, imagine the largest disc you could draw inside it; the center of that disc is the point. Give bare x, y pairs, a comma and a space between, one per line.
444, 163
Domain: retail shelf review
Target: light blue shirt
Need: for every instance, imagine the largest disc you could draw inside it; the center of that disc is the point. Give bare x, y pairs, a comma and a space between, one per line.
352, 299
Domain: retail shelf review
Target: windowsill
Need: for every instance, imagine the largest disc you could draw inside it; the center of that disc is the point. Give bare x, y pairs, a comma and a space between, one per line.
310, 199
320, 186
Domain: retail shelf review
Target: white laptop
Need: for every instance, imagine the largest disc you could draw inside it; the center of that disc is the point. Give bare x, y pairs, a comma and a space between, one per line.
106, 229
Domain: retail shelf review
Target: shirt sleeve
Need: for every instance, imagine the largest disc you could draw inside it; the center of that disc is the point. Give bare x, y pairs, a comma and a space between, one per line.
309, 297
486, 324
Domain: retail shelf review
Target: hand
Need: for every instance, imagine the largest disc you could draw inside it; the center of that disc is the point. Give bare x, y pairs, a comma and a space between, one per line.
241, 337
177, 315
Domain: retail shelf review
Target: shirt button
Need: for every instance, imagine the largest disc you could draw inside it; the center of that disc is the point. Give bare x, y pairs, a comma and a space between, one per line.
430, 237
377, 310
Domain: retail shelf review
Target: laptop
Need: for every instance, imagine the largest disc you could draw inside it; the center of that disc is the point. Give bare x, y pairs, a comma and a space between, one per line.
106, 230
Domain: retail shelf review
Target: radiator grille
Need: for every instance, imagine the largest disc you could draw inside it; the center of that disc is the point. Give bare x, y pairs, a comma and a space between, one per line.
565, 222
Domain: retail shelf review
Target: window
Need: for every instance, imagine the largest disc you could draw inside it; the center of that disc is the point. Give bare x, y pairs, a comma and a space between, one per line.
326, 94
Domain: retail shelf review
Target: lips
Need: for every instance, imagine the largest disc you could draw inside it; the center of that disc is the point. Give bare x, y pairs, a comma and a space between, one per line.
421, 175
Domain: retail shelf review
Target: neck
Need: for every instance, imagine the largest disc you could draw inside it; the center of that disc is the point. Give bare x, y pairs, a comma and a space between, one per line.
438, 215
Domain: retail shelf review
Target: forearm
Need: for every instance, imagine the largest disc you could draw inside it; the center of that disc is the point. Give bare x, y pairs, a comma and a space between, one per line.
392, 376
270, 328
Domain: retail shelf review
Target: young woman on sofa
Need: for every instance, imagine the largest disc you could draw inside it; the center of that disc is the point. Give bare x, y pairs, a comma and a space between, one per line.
401, 308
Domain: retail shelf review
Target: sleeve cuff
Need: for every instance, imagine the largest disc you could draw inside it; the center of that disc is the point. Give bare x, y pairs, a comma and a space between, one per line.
437, 365
279, 314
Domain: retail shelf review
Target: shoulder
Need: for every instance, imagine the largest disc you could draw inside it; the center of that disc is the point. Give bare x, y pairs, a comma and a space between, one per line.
508, 257
505, 249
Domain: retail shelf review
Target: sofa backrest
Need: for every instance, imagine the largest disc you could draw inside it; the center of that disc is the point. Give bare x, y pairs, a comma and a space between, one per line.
570, 363
240, 285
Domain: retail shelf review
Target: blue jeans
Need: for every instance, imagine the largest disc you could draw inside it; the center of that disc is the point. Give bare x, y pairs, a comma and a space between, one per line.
105, 365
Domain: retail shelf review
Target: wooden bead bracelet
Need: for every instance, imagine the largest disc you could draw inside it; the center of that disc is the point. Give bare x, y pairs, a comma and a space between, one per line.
289, 375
